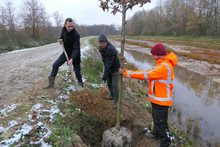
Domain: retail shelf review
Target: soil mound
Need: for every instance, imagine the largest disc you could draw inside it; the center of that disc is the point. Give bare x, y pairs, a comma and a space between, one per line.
96, 104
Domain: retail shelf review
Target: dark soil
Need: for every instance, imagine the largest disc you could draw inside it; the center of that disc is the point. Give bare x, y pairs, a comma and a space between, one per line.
101, 110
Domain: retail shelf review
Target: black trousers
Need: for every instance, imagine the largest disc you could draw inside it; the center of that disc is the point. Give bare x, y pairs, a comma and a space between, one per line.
113, 82
60, 61
160, 118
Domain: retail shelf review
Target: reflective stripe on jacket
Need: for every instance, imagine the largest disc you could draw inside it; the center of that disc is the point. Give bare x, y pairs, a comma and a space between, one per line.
160, 85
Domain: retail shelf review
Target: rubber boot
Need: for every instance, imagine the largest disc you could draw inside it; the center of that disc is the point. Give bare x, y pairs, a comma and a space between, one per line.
51, 81
81, 84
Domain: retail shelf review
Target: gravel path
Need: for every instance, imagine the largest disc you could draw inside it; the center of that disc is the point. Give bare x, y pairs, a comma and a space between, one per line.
21, 70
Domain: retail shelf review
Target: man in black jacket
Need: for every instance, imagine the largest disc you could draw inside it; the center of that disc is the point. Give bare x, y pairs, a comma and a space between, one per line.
111, 66
71, 41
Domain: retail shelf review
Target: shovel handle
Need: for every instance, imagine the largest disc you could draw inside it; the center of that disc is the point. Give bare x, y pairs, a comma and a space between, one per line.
67, 58
70, 66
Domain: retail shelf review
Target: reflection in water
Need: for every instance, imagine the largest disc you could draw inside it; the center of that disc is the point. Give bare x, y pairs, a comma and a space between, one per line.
196, 100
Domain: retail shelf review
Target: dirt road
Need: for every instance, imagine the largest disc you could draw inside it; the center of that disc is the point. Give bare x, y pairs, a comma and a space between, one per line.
20, 71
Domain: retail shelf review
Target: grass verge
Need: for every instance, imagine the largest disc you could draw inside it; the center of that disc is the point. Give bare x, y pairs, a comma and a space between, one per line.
201, 55
92, 65
201, 42
62, 133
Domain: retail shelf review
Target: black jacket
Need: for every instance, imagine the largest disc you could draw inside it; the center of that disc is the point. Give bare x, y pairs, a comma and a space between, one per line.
71, 42
110, 59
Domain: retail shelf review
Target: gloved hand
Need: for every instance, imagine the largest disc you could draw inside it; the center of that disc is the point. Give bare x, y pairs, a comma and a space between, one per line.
121, 71
60, 41
104, 78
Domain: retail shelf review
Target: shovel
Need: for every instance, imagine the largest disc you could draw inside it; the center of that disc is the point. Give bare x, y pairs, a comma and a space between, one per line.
77, 86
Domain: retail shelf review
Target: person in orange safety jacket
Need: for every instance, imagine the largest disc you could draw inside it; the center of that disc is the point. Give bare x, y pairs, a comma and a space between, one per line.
160, 89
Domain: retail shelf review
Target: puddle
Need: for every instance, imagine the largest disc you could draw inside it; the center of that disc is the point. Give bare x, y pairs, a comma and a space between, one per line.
196, 100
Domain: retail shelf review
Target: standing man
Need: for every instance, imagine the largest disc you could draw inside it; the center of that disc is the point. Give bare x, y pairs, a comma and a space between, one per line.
111, 67
160, 90
71, 40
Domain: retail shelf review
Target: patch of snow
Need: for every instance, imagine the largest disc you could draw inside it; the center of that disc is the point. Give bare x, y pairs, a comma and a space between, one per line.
44, 144
36, 107
71, 88
24, 130
95, 85
78, 109
29, 117
172, 137
35, 112
12, 123
39, 124
64, 68
44, 133
53, 111
8, 109
63, 97
51, 102
40, 97
2, 129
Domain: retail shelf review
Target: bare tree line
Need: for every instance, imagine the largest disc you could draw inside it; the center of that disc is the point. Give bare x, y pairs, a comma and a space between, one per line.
32, 26
178, 17
87, 30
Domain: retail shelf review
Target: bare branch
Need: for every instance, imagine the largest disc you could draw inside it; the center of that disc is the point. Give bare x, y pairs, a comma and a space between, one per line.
115, 5
58, 18
34, 16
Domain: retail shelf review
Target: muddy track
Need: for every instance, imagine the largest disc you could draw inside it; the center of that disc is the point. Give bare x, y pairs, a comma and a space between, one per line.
21, 71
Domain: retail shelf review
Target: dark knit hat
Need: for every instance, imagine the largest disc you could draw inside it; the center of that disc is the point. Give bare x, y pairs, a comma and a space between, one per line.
103, 38
158, 50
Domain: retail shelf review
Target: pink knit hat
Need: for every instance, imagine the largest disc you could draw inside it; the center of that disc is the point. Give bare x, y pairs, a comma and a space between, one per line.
158, 50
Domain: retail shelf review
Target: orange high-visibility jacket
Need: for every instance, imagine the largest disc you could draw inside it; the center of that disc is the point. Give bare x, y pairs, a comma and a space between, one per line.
160, 85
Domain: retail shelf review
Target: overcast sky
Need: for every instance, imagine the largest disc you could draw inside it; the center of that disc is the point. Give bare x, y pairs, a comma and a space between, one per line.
84, 11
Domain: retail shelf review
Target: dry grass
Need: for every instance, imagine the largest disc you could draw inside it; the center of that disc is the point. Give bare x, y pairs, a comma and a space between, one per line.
201, 42
202, 54
129, 42
213, 59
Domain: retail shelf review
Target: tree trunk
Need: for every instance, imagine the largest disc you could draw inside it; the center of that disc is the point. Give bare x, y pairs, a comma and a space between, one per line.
121, 90
216, 17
